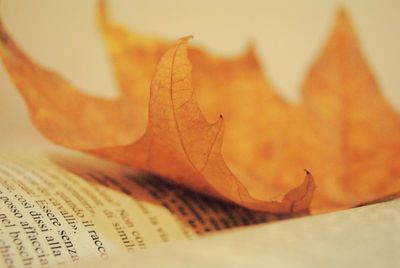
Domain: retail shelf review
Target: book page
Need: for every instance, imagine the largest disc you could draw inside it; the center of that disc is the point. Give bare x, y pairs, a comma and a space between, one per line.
360, 237
57, 210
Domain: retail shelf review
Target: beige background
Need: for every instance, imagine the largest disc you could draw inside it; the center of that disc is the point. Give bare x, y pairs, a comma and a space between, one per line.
288, 35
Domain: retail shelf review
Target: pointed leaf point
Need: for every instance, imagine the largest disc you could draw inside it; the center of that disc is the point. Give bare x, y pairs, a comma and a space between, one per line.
342, 14
343, 21
186, 38
102, 13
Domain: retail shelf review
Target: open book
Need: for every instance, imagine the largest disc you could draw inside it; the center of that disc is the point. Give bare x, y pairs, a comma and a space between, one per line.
69, 210
58, 209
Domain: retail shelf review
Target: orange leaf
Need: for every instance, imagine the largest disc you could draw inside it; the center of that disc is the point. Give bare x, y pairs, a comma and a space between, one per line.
178, 144
182, 146
236, 88
343, 130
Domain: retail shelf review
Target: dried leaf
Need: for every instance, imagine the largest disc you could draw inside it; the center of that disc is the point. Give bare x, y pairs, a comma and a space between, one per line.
274, 160
343, 130
178, 144
181, 145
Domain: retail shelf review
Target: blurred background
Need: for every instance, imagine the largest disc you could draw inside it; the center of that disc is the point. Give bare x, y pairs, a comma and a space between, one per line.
288, 35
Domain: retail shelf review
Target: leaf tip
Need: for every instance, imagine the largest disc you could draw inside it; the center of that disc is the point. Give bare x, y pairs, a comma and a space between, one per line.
342, 13
102, 14
5, 40
343, 18
185, 39
309, 180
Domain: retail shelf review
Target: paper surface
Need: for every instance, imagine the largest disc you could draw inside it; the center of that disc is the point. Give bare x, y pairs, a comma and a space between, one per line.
57, 209
360, 237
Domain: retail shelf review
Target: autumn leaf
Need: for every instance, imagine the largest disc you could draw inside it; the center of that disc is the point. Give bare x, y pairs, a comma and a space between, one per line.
343, 130
179, 144
293, 136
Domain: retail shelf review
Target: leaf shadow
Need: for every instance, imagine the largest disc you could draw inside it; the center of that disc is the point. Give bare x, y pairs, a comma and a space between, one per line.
198, 213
